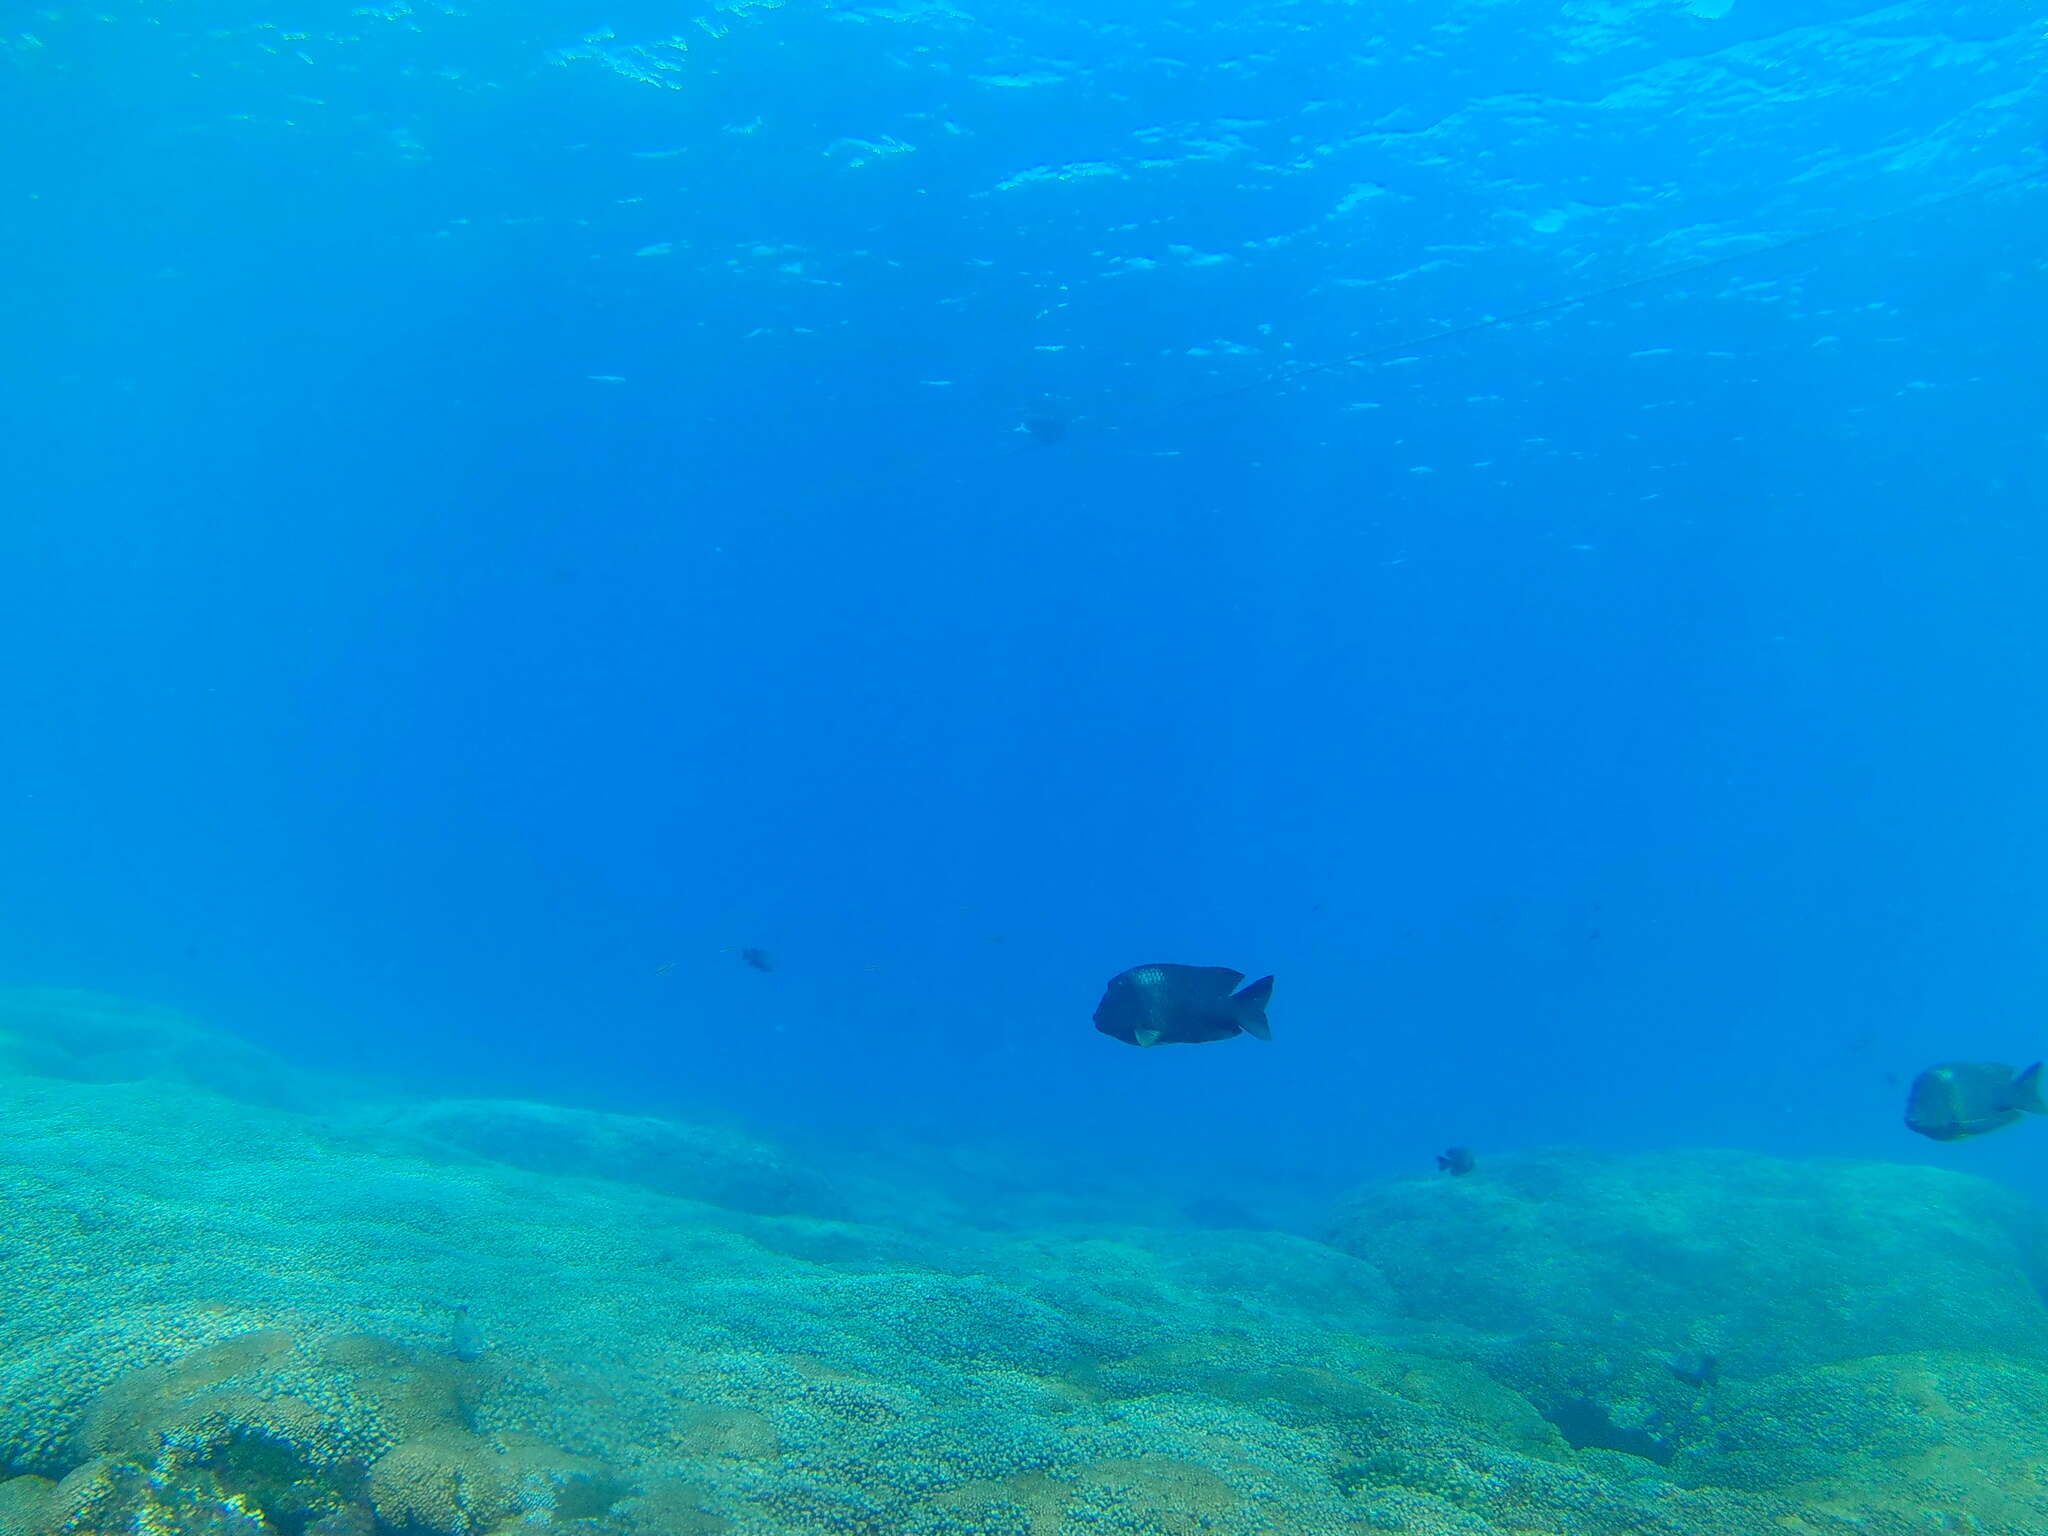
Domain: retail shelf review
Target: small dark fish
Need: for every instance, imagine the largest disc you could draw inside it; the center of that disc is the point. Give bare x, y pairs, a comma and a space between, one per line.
759, 959
1182, 1005
1457, 1161
1968, 1098
1702, 1370
464, 1341
1043, 430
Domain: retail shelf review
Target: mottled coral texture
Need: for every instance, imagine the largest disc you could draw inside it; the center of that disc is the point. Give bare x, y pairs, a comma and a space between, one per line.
231, 1310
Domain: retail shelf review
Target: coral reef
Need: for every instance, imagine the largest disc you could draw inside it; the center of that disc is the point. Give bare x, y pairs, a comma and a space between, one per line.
723, 1166
93, 1038
228, 1316
1880, 1439
1599, 1285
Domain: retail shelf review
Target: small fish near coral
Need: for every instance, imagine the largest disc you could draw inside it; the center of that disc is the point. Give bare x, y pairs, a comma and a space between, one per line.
1700, 1371
464, 1341
1182, 1005
1456, 1161
1968, 1098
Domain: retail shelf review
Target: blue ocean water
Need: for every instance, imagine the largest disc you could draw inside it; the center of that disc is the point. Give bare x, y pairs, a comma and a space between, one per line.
507, 507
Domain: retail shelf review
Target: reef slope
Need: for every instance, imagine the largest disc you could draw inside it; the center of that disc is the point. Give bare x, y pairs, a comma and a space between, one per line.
238, 1312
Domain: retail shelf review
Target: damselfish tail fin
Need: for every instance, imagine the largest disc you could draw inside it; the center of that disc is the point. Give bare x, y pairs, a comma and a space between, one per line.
2026, 1091
1251, 1008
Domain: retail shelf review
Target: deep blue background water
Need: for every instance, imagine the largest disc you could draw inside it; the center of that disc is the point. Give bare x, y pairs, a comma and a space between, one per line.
487, 537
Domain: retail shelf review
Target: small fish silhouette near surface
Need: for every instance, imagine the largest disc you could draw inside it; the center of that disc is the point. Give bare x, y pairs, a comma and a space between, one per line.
1457, 1161
1968, 1098
1182, 1005
759, 959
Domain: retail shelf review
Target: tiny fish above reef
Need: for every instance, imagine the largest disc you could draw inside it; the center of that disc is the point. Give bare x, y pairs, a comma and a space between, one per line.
1701, 1370
464, 1341
1182, 1005
1456, 1160
1968, 1098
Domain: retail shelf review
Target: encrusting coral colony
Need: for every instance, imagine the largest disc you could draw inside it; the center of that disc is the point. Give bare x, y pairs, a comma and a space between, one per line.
239, 1302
